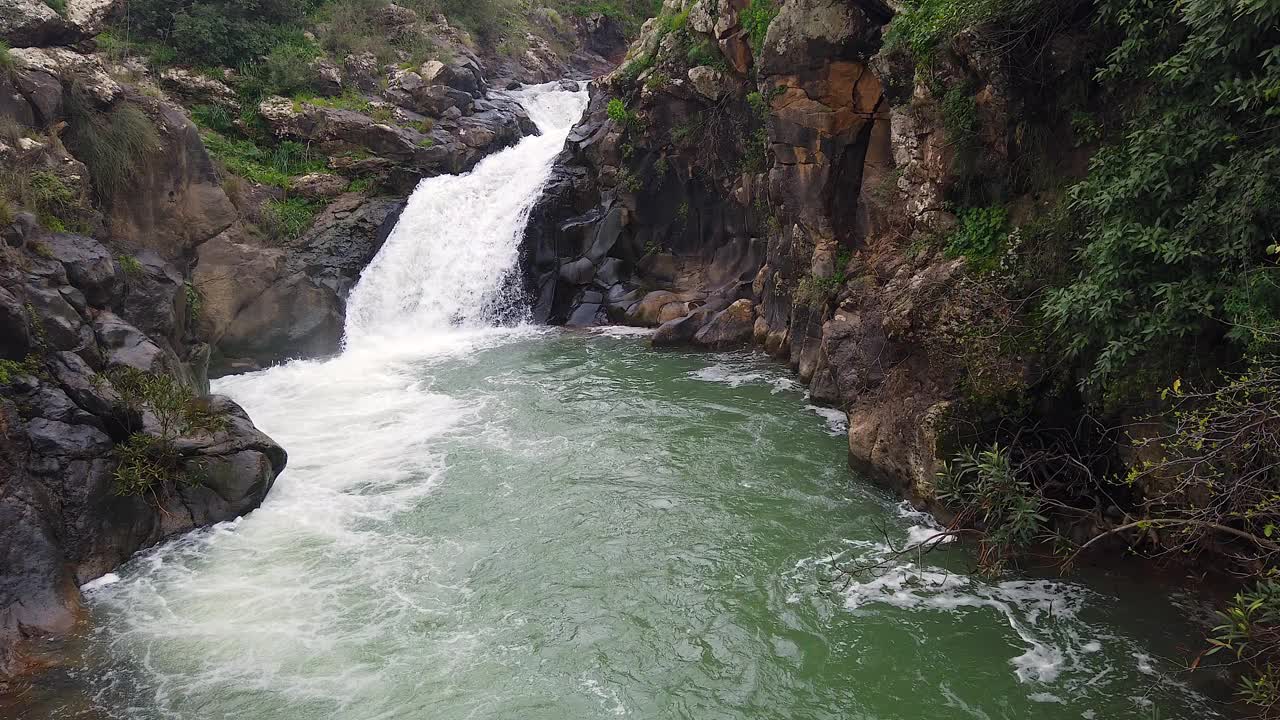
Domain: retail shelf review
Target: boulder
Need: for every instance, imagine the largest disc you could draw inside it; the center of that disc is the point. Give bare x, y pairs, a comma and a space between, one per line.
89, 266
709, 82
197, 88
59, 62
155, 297
292, 318
328, 78
393, 17
176, 202
15, 335
731, 327
127, 346
24, 23
681, 330
362, 69
319, 186
343, 240
230, 274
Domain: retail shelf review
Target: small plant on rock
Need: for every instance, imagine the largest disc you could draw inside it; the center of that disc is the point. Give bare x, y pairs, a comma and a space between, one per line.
129, 264
149, 459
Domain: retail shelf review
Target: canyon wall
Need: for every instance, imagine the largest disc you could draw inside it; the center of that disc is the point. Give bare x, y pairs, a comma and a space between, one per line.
789, 191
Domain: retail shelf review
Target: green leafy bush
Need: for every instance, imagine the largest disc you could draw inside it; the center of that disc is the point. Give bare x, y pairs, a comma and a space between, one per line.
129, 264
1186, 200
265, 165
148, 460
11, 370
58, 6
1249, 630
213, 117
618, 112
218, 32
6, 60
756, 18
987, 490
979, 237
705, 52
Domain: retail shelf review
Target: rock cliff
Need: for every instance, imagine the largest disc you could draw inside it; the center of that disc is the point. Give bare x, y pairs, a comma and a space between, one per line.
787, 190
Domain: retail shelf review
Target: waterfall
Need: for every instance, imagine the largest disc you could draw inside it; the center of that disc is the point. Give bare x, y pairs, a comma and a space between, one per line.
449, 260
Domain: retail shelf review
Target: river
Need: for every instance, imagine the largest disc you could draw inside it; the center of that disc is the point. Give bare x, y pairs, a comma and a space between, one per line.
515, 522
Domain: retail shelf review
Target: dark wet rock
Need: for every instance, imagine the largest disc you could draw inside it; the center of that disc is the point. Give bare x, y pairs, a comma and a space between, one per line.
682, 330
578, 272
155, 297
15, 334
127, 346
61, 520
343, 240
729, 328
585, 315
89, 265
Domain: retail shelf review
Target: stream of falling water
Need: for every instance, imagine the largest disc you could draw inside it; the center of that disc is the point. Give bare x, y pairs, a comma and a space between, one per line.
526, 524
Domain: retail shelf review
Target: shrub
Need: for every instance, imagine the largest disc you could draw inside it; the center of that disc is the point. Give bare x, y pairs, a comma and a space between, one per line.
755, 156
677, 22
58, 6
634, 69
1250, 631
987, 489
12, 369
979, 237
361, 185
707, 53
149, 459
213, 117
194, 303
618, 112
113, 144
129, 264
217, 32
756, 18
53, 201
288, 68
6, 60
267, 166
1185, 201
960, 120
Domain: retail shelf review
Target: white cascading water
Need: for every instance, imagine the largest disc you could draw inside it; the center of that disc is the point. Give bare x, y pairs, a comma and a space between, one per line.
448, 259
240, 604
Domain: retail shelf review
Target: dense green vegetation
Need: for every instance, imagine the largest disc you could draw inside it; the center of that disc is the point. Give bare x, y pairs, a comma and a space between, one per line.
1182, 209
1169, 305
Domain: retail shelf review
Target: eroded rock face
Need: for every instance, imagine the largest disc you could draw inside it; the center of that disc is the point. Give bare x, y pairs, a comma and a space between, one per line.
265, 305
802, 252
72, 313
27, 23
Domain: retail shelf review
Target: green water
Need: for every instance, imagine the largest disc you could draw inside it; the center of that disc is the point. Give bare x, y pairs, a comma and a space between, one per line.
539, 525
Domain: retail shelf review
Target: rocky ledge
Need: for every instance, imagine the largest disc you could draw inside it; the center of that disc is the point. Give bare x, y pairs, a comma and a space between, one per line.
74, 320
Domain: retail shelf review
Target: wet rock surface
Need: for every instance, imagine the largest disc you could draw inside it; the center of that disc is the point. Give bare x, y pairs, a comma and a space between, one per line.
74, 315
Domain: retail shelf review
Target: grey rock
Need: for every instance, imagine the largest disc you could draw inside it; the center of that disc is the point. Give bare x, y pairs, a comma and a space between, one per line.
89, 266
577, 272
